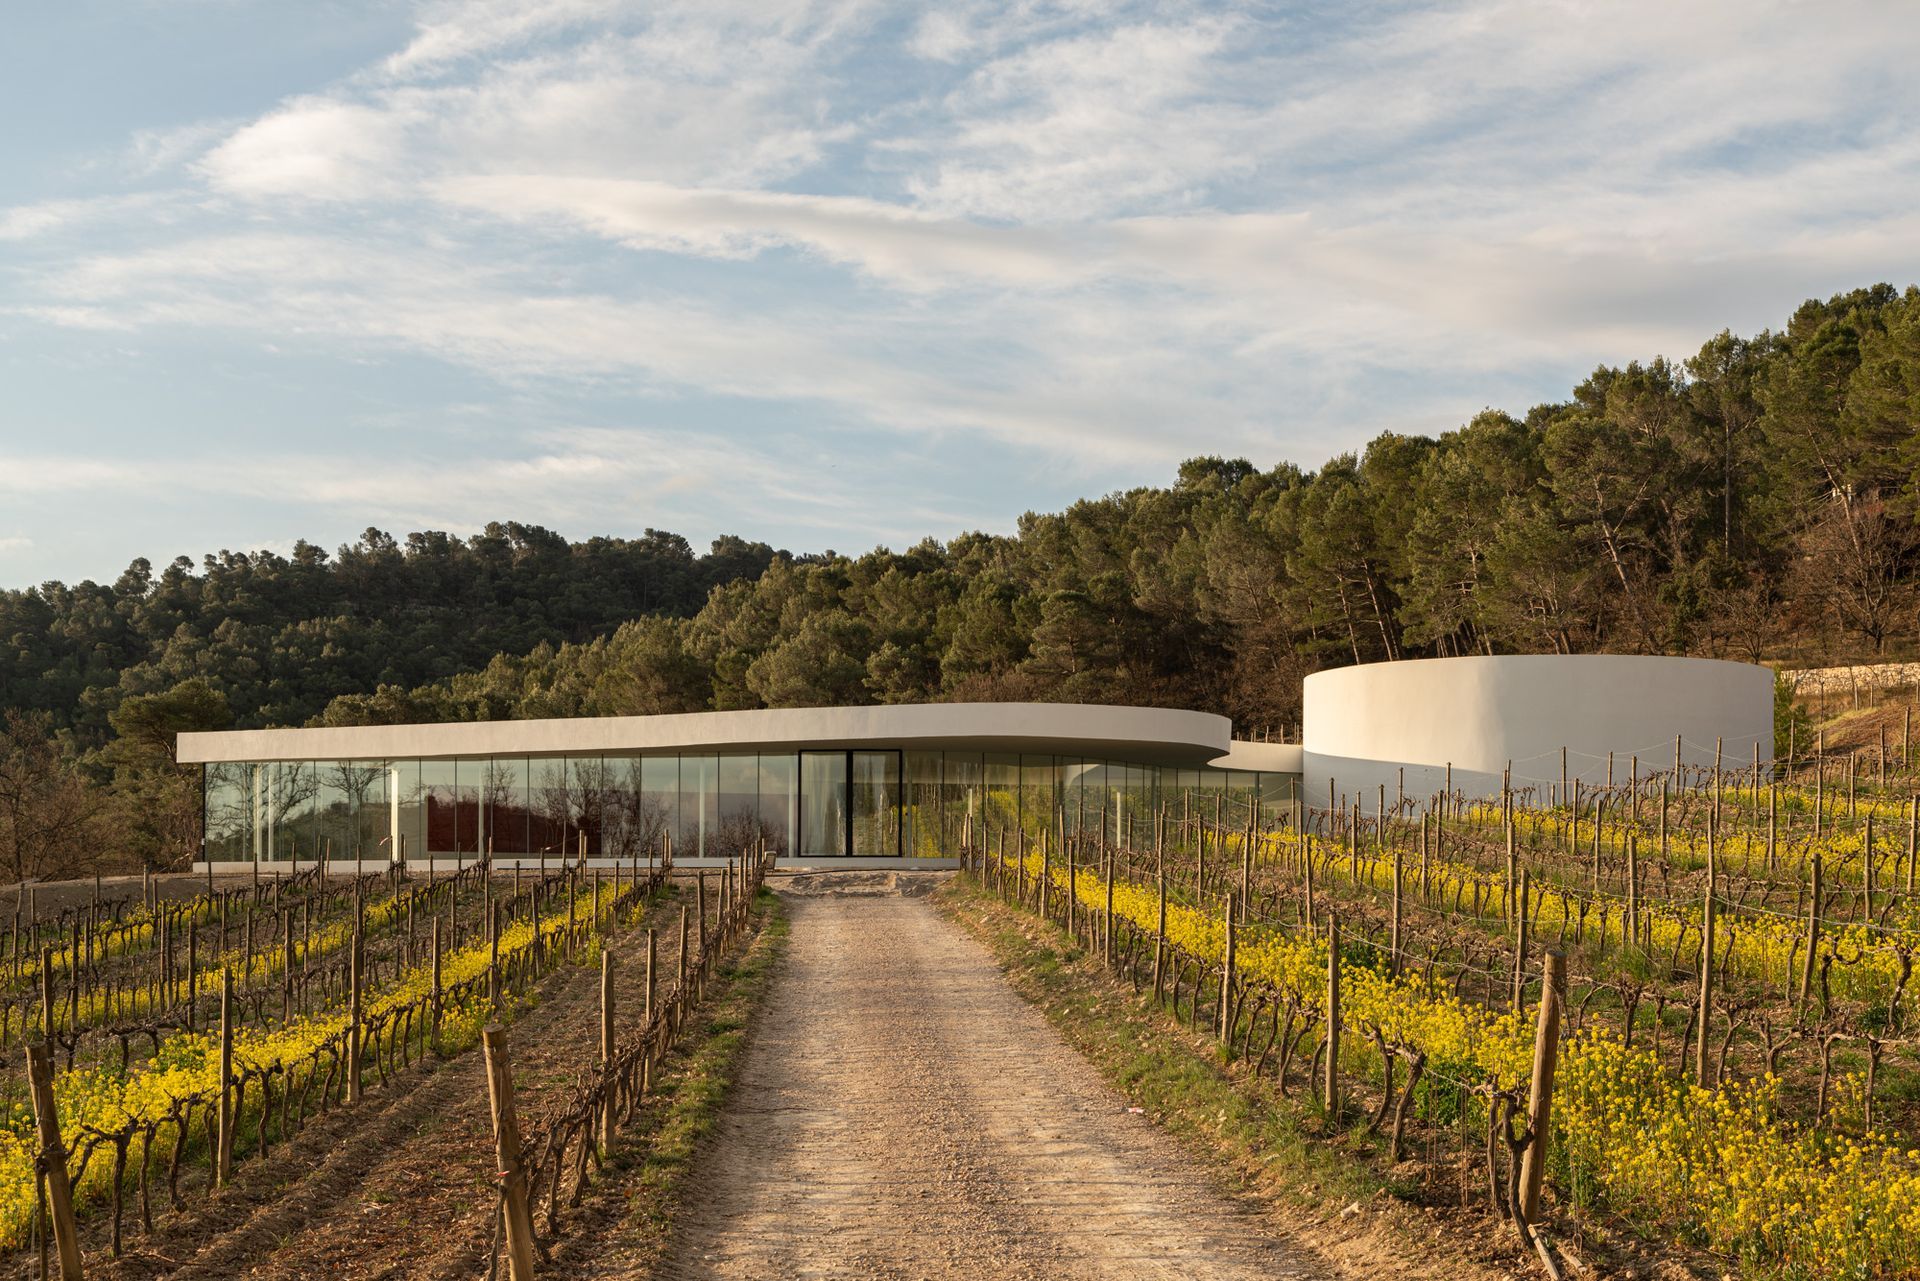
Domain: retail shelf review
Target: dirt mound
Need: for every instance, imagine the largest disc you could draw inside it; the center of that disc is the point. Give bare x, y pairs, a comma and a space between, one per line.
1863, 731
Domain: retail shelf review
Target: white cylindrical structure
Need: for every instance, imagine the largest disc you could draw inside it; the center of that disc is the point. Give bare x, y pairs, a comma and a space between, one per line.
1402, 724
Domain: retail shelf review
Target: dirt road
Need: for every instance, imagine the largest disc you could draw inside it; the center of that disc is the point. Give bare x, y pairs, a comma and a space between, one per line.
902, 1112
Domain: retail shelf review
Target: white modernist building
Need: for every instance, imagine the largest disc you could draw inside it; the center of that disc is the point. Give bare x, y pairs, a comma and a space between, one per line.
897, 782
1412, 726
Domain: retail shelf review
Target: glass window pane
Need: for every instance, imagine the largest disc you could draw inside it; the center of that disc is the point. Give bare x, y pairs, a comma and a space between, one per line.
876, 804
508, 818
1000, 799
469, 833
409, 809
332, 810
550, 807
779, 801
921, 820
1037, 796
961, 778
292, 835
823, 804
659, 804
699, 807
590, 792
440, 798
366, 784
620, 807
229, 812
736, 805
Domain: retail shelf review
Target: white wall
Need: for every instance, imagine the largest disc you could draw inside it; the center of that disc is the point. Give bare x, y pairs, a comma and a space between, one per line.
1365, 725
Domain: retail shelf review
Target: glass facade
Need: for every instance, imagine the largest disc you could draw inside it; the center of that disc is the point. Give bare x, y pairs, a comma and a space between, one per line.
814, 804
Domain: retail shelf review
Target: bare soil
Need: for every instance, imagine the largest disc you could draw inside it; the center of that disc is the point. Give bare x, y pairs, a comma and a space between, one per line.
401, 1186
902, 1112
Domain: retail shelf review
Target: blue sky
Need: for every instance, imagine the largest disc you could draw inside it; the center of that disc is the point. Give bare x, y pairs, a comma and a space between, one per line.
847, 274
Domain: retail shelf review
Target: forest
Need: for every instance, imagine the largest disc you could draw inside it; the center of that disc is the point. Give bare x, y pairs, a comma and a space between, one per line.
1759, 499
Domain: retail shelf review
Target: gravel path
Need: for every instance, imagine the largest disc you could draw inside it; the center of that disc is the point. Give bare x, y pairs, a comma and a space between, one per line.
902, 1112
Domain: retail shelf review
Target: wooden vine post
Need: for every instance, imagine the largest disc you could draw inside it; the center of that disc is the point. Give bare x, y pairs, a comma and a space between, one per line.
1813, 935
1393, 956
1160, 928
515, 1208
606, 1048
1702, 1061
1546, 1058
1633, 889
223, 1142
1913, 837
53, 1153
435, 1009
1106, 922
46, 993
1520, 941
646, 1016
1223, 1019
1332, 1085
354, 1031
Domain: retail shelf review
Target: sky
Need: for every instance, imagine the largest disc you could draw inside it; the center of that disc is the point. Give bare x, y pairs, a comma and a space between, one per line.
844, 275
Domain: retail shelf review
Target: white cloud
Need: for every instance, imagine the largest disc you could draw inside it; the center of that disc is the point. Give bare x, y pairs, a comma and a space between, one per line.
1091, 236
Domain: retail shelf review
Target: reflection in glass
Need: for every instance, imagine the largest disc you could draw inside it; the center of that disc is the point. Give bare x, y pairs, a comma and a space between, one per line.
659, 812
779, 801
699, 807
291, 812
440, 794
921, 819
1037, 797
409, 809
508, 807
369, 824
590, 790
229, 812
737, 805
876, 804
961, 782
620, 808
823, 804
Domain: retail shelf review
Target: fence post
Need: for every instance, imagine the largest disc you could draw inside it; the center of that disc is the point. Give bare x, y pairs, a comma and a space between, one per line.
286, 968
1702, 1063
1226, 982
1393, 958
1813, 936
66, 1234
223, 1158
1332, 1088
193, 968
1546, 1057
606, 1048
437, 952
46, 993
1523, 920
515, 1207
1160, 930
683, 946
354, 964
646, 1018
494, 993
1106, 923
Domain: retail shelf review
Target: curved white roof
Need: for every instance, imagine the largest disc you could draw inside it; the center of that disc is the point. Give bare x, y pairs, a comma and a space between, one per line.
1150, 735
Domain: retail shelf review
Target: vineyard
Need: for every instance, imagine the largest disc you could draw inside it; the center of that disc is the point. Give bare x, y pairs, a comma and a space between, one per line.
1694, 983
160, 1052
